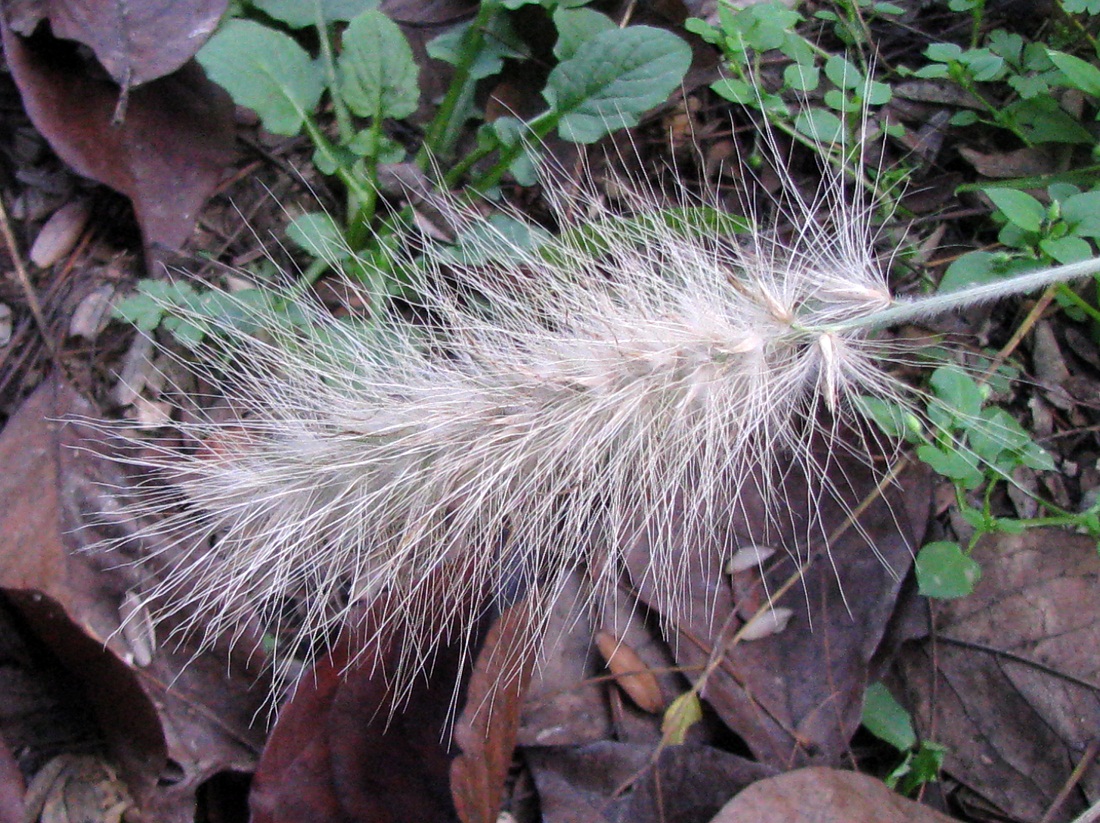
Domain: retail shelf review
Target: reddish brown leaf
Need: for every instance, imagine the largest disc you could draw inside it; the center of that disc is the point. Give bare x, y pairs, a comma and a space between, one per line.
337, 754
182, 707
1016, 700
819, 795
486, 730
135, 41
168, 153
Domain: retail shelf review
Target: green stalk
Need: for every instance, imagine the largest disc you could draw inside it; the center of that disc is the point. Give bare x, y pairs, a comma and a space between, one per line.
909, 310
441, 131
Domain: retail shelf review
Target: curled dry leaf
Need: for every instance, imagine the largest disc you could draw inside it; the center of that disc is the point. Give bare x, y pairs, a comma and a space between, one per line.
630, 673
190, 709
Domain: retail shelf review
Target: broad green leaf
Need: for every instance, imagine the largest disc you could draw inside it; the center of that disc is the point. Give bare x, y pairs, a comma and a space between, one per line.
500, 42
378, 76
318, 234
736, 91
886, 719
1080, 73
958, 390
1082, 212
1042, 120
614, 78
266, 71
944, 571
301, 13
801, 78
1066, 249
1019, 207
842, 73
575, 26
820, 125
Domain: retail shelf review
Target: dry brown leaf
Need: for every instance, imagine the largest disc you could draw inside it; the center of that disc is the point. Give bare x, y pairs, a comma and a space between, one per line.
166, 155
819, 795
796, 697
135, 41
1017, 697
486, 730
190, 709
630, 672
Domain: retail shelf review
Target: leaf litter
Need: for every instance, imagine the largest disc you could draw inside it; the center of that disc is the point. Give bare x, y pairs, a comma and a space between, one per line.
805, 714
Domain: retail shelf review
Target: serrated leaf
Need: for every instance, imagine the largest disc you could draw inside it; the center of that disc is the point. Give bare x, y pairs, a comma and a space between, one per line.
944, 571
266, 71
378, 75
298, 14
614, 78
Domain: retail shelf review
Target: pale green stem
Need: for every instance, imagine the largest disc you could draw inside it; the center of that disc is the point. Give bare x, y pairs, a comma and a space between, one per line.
909, 310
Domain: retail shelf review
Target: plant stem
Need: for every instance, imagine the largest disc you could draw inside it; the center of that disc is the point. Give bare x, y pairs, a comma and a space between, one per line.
442, 132
906, 311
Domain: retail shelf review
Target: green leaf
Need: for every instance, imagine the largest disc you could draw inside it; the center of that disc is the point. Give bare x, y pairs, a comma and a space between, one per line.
801, 78
318, 234
958, 390
614, 78
266, 71
736, 91
1082, 213
842, 73
1042, 120
499, 43
301, 13
1080, 73
820, 125
886, 719
377, 70
960, 466
944, 571
943, 52
1066, 249
683, 713
576, 26
1019, 207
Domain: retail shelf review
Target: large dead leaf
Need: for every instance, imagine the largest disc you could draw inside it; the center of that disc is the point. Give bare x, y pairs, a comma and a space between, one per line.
135, 41
1016, 698
188, 709
818, 795
796, 696
168, 152
338, 752
684, 783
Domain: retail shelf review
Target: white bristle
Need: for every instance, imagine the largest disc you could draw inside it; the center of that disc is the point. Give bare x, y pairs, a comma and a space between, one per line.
542, 416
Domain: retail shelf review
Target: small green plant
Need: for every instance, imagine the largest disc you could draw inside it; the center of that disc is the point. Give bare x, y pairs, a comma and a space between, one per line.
829, 127
606, 78
888, 720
